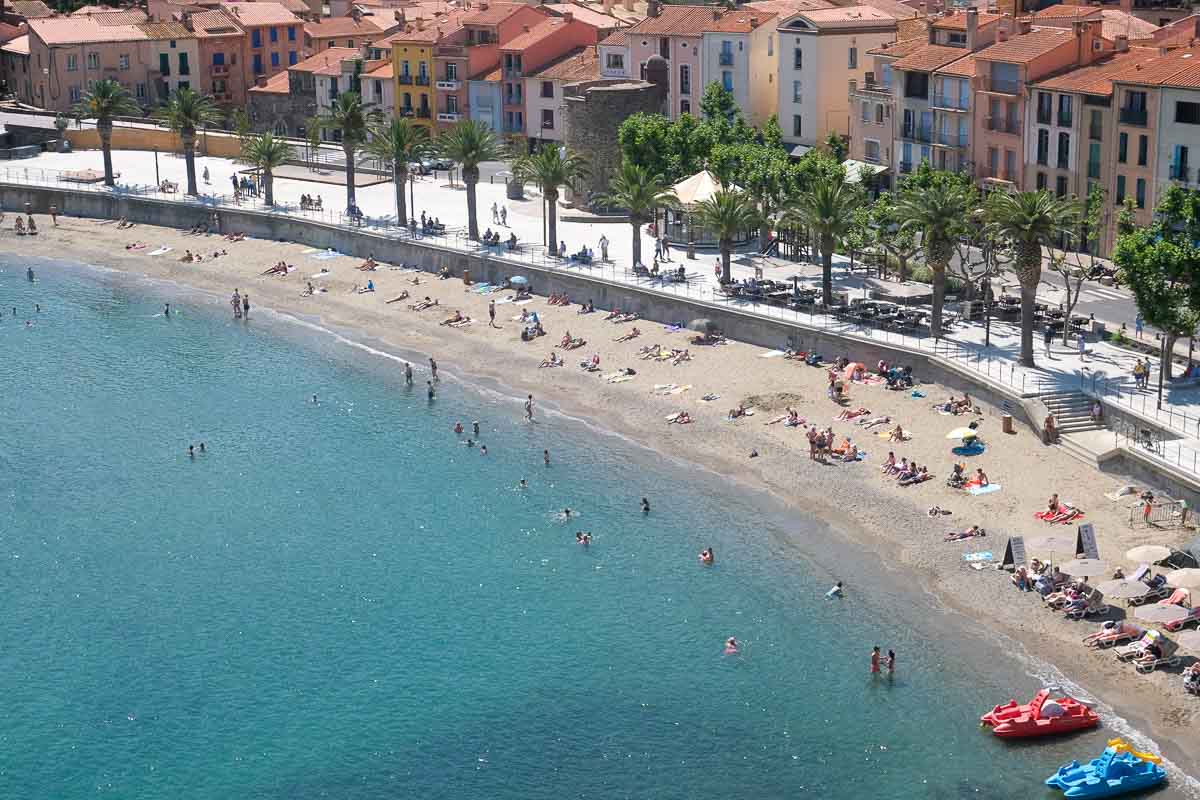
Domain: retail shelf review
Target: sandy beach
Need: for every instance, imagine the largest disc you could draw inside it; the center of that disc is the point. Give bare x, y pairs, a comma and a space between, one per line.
854, 498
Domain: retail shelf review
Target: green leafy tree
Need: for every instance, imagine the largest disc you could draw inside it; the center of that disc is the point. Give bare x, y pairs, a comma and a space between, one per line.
727, 213
641, 194
105, 100
893, 239
836, 146
239, 121
1029, 221
718, 103
937, 214
469, 143
1127, 217
551, 167
826, 209
772, 132
184, 112
763, 171
267, 153
354, 118
400, 142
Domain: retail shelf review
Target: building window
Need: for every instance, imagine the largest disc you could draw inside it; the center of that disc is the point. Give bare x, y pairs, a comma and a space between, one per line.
797, 59
256, 38
685, 107
1043, 146
291, 57
72, 62
258, 64
274, 59
685, 79
184, 67
1093, 166
727, 80
164, 63
871, 151
1060, 186
1065, 112
378, 91
93, 61
141, 91
1010, 164
1064, 150
726, 58
1045, 107
1143, 150
547, 119
770, 45
452, 104
1141, 192
1179, 163
1120, 198
797, 129
1187, 113
452, 72
274, 34
548, 89
866, 111
852, 58
1123, 147
664, 47
74, 94
1096, 125
123, 61
797, 92
291, 33
613, 61
1041, 181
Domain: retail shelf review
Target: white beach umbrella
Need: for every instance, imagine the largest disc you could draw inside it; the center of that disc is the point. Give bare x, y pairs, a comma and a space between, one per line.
961, 433
1085, 567
1148, 553
1123, 588
1189, 640
1157, 613
1184, 578
1053, 543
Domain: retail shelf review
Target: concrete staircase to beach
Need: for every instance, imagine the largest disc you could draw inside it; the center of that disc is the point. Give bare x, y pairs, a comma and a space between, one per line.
1071, 410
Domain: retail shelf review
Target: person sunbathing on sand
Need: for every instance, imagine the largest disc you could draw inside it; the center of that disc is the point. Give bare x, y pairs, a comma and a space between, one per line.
682, 418
456, 317
633, 334
851, 453
591, 365
402, 296
793, 420
897, 434
969, 533
421, 305
874, 421
740, 411
681, 356
616, 312
135, 245
889, 464
552, 361
848, 414
369, 265
920, 476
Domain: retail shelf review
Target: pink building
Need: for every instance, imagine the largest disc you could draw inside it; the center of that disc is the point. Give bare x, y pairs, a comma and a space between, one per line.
528, 52
675, 33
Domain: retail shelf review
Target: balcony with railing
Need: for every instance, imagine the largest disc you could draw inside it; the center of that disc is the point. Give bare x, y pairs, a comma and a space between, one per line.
1002, 125
422, 80
450, 51
449, 116
917, 134
1044, 115
996, 175
726, 60
424, 113
448, 85
1001, 85
906, 167
1065, 119
406, 111
405, 79
1133, 116
948, 102
1181, 173
950, 139
219, 70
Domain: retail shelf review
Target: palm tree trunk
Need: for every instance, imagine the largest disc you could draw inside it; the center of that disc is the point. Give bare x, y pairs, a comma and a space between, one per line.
268, 186
472, 220
636, 224
902, 272
105, 132
188, 138
939, 298
349, 151
726, 248
764, 230
827, 245
400, 176
1168, 363
552, 216
1028, 298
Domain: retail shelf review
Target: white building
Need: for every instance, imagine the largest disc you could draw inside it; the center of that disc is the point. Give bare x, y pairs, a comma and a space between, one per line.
738, 51
544, 92
1178, 136
614, 55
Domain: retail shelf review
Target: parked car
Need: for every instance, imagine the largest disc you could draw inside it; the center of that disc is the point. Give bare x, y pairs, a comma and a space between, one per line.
417, 168
437, 162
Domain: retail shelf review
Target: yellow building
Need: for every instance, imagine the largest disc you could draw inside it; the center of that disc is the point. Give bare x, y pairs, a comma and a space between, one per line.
412, 68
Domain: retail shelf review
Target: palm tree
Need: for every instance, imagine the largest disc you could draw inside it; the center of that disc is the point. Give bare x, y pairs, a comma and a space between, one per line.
727, 213
938, 213
186, 111
350, 115
827, 209
640, 193
401, 142
266, 153
1029, 221
104, 100
469, 143
550, 167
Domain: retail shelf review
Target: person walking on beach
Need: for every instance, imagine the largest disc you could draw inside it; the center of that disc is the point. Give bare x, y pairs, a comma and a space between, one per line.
529, 409
666, 248
875, 660
408, 373
492, 314
433, 368
657, 248
236, 302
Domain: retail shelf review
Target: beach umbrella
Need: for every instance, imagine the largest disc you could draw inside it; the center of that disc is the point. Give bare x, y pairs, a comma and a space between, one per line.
702, 325
1053, 543
1184, 578
1189, 640
961, 433
1148, 553
518, 280
1123, 588
1085, 567
1157, 613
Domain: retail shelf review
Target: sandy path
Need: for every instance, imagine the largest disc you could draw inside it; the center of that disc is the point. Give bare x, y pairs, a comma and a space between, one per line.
852, 497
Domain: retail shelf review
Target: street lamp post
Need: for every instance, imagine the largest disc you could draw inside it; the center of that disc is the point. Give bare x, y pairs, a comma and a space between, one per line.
1162, 367
157, 182
412, 203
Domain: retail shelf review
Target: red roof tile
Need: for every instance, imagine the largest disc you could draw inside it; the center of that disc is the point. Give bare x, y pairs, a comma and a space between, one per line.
898, 49
329, 27
533, 35
326, 62
19, 45
962, 68
958, 22
208, 24
678, 21
616, 39
261, 13
494, 14
1159, 71
1067, 12
929, 58
581, 64
740, 21
1027, 47
276, 84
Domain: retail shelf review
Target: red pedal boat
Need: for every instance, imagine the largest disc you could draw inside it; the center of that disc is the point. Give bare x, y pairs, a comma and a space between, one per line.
1041, 716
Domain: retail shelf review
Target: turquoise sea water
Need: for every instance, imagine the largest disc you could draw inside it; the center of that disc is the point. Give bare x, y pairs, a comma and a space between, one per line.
342, 601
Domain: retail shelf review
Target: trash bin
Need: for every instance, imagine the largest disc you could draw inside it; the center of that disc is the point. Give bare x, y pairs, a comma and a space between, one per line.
1006, 423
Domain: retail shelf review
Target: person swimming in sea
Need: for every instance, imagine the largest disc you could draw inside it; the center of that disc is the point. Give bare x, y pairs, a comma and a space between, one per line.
29, 274
167, 310
470, 442
836, 591
707, 557
202, 450
731, 646
645, 506
314, 400
475, 428
458, 428
408, 373
890, 662
564, 514
546, 457
522, 484
430, 385
483, 449
191, 451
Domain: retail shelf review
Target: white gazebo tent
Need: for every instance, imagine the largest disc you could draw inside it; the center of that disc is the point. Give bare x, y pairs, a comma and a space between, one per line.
691, 192
854, 169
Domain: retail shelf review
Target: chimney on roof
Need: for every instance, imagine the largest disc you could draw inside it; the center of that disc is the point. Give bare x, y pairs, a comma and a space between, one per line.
972, 28
1121, 44
1002, 33
236, 13
420, 23
483, 6
754, 22
399, 17
185, 19
261, 80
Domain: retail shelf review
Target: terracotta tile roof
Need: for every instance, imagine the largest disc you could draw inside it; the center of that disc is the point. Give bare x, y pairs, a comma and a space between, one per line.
1026, 47
262, 13
494, 14
929, 57
166, 30
1119, 23
677, 21
962, 68
297, 7
1096, 79
208, 24
616, 39
326, 62
584, 14
898, 49
10, 32
1159, 71
330, 27
531, 36
1067, 12
581, 64
30, 9
785, 8
383, 72
741, 21
77, 30
1179, 33
276, 84
129, 16
1187, 78
958, 22
847, 17
490, 76
19, 45
895, 8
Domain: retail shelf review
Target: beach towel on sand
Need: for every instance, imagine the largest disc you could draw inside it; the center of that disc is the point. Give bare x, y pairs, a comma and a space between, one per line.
160, 251
325, 255
982, 555
978, 490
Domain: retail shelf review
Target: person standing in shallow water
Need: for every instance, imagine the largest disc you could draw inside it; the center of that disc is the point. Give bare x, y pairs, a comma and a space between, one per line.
430, 390
246, 305
433, 368
875, 660
408, 375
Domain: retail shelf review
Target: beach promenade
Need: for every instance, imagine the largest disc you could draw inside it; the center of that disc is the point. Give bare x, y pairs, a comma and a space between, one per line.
1104, 371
